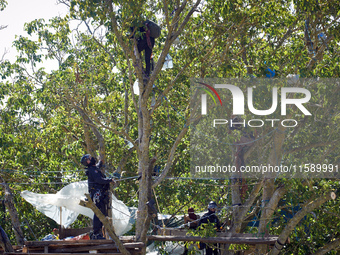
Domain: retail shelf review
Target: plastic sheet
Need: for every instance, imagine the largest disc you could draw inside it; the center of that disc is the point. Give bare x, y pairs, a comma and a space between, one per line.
63, 207
168, 64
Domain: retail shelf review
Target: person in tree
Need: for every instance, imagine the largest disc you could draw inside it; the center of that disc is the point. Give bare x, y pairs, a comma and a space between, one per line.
99, 186
146, 41
192, 220
210, 217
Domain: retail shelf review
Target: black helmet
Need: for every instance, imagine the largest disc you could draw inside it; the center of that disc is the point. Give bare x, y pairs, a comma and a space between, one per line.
212, 205
84, 159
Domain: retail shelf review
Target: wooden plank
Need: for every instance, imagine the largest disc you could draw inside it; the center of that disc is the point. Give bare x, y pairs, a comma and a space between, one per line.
103, 247
229, 240
172, 231
69, 242
87, 253
58, 248
124, 239
127, 239
126, 245
134, 245
66, 232
79, 243
183, 232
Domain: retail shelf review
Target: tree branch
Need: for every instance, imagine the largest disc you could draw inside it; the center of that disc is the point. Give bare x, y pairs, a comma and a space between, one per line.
319, 54
307, 207
99, 136
127, 51
310, 146
245, 208
332, 246
13, 213
123, 160
170, 158
5, 242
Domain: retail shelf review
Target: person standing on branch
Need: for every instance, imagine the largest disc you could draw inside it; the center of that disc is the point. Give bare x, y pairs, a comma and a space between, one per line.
146, 41
99, 186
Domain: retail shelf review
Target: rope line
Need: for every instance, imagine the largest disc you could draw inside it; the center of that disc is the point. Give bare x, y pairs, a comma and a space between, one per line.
159, 209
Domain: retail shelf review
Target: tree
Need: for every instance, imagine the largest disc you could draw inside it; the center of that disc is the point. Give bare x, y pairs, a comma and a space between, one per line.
84, 106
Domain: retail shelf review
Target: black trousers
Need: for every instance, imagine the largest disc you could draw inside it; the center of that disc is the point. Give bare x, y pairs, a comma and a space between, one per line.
142, 44
101, 203
210, 251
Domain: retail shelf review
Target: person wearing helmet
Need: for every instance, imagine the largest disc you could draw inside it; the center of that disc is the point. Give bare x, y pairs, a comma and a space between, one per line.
210, 217
98, 185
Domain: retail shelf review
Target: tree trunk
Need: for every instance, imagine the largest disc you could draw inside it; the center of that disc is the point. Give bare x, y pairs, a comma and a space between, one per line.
329, 247
269, 187
306, 208
13, 214
143, 219
4, 241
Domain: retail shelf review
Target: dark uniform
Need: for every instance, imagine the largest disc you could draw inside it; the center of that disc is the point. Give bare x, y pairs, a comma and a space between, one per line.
210, 217
99, 186
146, 43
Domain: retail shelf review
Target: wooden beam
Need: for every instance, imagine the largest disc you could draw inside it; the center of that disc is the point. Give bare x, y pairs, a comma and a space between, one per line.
184, 231
127, 241
65, 232
102, 247
70, 242
66, 253
78, 248
228, 240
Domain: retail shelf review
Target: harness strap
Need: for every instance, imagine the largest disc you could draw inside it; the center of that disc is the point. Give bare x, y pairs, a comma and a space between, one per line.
147, 33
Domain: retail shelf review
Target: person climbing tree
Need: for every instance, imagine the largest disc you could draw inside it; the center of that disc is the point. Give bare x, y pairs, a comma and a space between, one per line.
146, 41
99, 186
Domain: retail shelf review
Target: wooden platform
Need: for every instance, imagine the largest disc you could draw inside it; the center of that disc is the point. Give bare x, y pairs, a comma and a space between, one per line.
78, 247
108, 247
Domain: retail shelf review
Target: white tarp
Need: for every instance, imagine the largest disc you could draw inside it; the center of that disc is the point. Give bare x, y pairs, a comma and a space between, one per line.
67, 201
171, 248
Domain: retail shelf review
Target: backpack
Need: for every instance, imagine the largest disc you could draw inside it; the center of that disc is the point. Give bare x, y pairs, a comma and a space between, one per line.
155, 30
